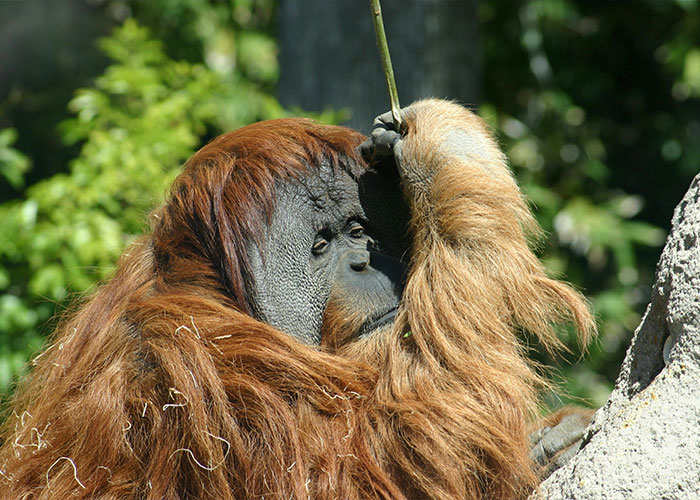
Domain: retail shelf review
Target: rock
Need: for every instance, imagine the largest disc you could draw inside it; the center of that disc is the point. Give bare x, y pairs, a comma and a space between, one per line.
644, 443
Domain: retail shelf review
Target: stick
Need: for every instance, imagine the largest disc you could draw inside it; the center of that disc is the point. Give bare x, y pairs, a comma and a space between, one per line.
386, 64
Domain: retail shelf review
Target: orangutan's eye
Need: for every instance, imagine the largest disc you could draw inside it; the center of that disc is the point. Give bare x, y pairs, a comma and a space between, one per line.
356, 230
320, 245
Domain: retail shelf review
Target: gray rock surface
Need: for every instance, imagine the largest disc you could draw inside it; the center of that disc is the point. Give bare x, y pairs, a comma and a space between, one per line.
644, 443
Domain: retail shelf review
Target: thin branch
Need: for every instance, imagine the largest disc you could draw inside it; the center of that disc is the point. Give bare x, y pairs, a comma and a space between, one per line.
386, 64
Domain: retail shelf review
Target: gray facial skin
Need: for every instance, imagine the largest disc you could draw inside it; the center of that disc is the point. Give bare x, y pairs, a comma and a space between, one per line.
330, 234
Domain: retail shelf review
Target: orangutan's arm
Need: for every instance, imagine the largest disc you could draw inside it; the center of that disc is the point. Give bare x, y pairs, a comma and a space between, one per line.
463, 196
452, 172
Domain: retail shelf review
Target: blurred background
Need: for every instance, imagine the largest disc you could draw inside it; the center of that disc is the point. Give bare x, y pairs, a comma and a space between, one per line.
101, 101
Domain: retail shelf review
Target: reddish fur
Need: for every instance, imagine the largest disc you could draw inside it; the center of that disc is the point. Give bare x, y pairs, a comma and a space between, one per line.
163, 387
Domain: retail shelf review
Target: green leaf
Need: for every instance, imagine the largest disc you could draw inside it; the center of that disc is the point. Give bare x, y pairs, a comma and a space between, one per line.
13, 164
691, 69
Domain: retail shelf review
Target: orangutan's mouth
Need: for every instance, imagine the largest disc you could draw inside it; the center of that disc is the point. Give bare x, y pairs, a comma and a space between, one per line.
378, 321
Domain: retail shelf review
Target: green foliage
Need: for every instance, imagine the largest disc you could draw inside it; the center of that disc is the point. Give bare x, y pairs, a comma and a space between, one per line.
580, 144
142, 118
13, 164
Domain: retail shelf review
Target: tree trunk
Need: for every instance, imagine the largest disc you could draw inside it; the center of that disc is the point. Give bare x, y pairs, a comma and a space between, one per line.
329, 57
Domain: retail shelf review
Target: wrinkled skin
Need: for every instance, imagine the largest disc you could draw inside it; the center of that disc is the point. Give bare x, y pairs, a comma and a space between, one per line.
331, 233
